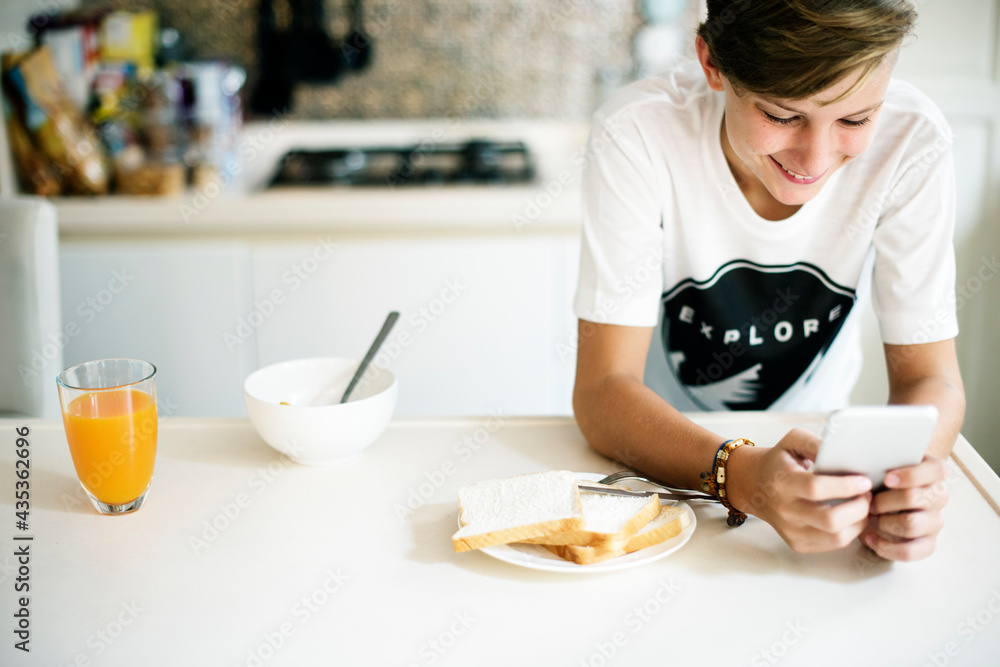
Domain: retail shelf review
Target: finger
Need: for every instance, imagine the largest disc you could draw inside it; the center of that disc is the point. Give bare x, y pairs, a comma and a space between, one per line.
836, 518
807, 446
809, 540
906, 550
929, 471
817, 487
929, 498
800, 445
910, 525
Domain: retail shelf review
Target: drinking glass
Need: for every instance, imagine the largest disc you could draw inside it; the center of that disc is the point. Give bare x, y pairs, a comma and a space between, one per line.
109, 411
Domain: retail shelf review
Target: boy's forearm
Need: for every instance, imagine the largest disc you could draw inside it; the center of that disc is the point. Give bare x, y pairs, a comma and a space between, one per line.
947, 397
627, 421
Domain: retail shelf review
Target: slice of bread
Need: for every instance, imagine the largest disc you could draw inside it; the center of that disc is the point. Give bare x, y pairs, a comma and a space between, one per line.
608, 519
517, 508
668, 523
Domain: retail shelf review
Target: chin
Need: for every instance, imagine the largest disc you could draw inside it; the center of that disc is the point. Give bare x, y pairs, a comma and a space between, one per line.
796, 198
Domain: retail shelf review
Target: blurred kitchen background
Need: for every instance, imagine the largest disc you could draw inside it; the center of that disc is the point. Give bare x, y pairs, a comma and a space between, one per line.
250, 198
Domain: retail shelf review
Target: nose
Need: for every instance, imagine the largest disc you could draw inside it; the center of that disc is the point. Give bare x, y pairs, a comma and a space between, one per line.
814, 150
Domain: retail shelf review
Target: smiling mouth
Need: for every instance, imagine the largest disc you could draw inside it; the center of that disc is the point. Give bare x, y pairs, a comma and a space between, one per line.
796, 176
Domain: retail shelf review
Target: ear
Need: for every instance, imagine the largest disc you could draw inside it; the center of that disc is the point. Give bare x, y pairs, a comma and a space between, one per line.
712, 73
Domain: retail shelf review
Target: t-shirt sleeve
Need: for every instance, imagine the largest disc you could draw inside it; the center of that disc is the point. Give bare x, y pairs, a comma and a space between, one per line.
913, 283
621, 275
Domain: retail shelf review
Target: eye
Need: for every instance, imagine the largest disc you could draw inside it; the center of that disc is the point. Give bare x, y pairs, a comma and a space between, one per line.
776, 119
856, 123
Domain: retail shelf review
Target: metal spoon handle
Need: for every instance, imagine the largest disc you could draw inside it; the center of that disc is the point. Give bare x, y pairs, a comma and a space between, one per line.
386, 328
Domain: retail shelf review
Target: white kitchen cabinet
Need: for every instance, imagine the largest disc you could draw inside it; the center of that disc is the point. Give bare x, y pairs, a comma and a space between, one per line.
485, 325
482, 318
170, 303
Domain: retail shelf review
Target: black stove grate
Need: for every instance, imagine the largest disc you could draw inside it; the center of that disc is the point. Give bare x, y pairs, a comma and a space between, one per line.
479, 162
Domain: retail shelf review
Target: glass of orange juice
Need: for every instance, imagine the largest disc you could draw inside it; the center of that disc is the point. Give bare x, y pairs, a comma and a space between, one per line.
109, 411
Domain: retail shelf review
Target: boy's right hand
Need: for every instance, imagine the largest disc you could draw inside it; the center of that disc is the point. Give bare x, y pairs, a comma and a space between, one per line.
775, 484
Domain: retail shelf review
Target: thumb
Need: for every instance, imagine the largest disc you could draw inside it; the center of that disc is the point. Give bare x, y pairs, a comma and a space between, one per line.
801, 444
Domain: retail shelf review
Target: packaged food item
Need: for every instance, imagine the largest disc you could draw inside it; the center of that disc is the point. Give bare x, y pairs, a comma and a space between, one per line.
151, 178
132, 37
212, 117
56, 127
72, 38
33, 171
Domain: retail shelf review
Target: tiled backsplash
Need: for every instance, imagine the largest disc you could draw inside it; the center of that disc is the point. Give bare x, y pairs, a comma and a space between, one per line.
439, 58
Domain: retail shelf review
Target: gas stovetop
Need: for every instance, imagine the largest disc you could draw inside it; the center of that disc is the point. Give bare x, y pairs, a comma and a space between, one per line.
476, 162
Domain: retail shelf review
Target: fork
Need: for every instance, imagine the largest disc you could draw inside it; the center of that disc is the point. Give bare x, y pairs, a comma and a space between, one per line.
628, 474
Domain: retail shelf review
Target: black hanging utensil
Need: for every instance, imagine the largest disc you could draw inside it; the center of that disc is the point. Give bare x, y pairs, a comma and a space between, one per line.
356, 49
314, 56
273, 91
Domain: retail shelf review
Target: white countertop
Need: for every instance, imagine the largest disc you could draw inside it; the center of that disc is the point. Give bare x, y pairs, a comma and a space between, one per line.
244, 207
309, 566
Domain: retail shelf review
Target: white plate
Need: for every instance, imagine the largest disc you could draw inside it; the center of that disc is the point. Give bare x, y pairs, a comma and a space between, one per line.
537, 557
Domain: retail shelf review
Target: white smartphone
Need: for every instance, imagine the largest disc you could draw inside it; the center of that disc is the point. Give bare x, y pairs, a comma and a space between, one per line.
872, 440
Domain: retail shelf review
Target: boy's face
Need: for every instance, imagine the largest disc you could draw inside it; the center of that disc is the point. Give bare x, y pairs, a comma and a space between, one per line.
793, 147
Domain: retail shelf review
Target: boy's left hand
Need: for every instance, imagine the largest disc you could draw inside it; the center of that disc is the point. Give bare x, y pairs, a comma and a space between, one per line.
905, 519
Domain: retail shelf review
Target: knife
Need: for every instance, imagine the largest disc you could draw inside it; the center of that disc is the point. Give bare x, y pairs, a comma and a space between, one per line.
663, 495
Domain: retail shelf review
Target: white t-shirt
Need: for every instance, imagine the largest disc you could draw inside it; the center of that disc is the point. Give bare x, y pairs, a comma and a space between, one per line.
749, 313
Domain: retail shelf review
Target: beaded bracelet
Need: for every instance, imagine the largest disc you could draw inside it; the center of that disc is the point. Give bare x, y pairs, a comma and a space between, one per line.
715, 482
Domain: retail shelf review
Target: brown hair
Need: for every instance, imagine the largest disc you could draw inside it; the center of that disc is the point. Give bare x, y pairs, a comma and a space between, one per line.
793, 49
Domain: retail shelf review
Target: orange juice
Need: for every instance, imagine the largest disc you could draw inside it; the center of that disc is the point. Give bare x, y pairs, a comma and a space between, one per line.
112, 438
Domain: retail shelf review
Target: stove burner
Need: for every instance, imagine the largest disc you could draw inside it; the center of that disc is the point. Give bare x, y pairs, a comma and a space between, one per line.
475, 162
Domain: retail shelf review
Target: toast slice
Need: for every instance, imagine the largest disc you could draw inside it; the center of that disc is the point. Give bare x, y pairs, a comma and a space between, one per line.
517, 508
667, 524
609, 519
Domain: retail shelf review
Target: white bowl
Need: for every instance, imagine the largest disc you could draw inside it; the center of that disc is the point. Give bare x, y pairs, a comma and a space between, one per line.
316, 429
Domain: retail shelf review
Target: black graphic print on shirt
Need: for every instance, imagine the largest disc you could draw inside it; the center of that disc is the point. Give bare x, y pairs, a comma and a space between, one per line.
742, 338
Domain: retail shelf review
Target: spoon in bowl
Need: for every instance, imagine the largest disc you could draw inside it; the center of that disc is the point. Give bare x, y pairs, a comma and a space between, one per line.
390, 321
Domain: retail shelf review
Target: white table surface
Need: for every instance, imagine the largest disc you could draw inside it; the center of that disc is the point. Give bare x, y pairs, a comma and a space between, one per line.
135, 591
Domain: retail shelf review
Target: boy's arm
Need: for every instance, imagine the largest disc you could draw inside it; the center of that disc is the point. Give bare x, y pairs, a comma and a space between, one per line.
906, 518
627, 421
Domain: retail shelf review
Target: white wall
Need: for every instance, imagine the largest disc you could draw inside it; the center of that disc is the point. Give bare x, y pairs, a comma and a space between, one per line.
956, 60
